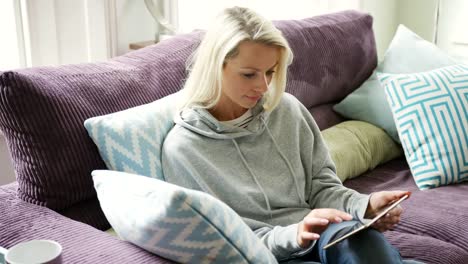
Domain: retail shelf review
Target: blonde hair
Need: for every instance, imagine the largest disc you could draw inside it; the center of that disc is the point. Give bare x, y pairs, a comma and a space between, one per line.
221, 42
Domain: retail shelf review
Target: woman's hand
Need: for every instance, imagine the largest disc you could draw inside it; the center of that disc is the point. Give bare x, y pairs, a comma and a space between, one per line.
378, 202
316, 222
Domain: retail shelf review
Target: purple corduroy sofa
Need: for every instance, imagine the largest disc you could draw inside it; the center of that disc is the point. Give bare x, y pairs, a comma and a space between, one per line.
42, 111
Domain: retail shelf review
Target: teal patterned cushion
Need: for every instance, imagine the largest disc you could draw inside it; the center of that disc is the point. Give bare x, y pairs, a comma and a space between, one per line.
182, 225
407, 53
430, 110
131, 140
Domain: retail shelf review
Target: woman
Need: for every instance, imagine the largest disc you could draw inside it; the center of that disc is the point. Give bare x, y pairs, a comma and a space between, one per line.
242, 139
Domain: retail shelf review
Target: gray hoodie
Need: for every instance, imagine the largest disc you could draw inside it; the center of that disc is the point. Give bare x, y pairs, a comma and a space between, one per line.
272, 173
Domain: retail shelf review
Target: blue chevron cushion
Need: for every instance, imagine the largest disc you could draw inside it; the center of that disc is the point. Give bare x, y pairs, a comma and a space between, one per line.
430, 110
180, 224
131, 140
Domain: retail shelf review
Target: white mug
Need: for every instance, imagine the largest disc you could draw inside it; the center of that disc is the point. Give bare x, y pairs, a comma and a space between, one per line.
34, 251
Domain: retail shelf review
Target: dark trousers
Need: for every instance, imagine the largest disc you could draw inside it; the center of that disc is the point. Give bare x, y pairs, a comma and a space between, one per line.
367, 246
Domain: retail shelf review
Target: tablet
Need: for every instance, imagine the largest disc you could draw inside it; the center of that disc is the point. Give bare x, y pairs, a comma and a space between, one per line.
354, 231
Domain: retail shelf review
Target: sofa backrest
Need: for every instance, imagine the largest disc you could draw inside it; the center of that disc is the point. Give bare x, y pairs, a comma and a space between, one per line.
333, 55
42, 109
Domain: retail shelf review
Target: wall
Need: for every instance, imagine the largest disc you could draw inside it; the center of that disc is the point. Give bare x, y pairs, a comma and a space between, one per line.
75, 31
7, 174
9, 52
384, 13
134, 24
385, 21
63, 31
419, 16
10, 58
452, 34
295, 9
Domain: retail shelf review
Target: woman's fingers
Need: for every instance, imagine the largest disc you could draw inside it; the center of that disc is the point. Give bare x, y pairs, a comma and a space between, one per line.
380, 200
314, 221
342, 215
333, 215
309, 229
389, 221
309, 236
385, 224
390, 218
396, 211
386, 197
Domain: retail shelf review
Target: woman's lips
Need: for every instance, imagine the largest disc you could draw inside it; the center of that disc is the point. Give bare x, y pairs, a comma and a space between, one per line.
254, 98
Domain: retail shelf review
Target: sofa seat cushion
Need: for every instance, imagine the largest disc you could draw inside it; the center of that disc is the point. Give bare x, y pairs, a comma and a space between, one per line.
432, 219
21, 221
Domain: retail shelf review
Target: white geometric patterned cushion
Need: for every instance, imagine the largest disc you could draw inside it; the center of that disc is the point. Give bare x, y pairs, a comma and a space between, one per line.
131, 140
180, 224
431, 113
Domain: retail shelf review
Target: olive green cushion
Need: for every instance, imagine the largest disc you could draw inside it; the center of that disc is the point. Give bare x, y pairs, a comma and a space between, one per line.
357, 147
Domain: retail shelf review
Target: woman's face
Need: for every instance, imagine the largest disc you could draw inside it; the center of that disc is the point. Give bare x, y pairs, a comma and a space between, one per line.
246, 78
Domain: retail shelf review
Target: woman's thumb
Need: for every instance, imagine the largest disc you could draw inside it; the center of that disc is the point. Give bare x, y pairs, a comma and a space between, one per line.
396, 195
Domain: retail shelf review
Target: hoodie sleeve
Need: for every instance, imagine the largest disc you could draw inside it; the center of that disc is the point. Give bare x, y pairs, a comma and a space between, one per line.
323, 187
282, 241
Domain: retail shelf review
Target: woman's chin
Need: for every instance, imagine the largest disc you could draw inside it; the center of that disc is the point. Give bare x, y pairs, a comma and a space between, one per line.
252, 100
249, 105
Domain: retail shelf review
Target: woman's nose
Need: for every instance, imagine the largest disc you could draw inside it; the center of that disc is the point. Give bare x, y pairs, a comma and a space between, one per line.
262, 85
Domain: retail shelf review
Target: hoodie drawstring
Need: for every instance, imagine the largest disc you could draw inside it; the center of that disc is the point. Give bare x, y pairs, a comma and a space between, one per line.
254, 177
293, 175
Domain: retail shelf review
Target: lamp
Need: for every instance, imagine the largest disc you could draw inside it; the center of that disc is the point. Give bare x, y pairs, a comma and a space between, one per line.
157, 9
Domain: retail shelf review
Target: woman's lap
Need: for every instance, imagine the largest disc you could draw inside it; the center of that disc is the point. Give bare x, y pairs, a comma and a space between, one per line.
367, 246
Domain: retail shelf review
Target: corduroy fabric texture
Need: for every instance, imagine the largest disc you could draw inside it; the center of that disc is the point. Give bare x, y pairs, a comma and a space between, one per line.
432, 228
333, 55
21, 221
42, 109
431, 220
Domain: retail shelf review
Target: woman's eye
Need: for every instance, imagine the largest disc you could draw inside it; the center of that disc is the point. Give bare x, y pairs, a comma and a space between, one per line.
249, 75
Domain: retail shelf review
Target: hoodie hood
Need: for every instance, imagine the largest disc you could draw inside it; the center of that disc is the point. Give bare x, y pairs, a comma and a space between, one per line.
201, 121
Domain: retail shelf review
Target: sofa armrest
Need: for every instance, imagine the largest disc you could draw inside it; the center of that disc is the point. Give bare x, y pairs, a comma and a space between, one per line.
21, 221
